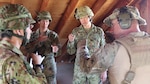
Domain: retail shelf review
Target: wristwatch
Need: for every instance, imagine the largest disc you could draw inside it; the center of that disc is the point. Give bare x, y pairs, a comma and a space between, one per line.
38, 66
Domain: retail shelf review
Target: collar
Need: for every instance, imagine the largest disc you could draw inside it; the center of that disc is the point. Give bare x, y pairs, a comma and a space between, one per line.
92, 27
7, 45
46, 32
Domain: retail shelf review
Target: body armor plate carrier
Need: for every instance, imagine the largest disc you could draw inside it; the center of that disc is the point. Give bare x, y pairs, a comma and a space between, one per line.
139, 54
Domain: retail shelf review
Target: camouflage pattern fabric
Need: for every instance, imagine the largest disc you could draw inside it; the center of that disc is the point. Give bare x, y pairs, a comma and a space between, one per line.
131, 9
83, 78
83, 11
17, 13
83, 52
95, 39
44, 49
14, 69
44, 15
50, 69
104, 59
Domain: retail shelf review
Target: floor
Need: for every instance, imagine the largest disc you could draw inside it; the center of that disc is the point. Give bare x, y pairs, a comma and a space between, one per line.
64, 73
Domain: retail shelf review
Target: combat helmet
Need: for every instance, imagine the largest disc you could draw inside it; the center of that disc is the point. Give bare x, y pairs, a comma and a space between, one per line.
15, 14
120, 13
44, 15
13, 17
83, 11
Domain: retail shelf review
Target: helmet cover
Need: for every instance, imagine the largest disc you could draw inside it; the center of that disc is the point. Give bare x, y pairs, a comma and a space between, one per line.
83, 11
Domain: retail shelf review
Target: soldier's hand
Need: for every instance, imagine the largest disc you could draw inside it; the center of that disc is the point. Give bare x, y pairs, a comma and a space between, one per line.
37, 59
104, 76
54, 48
71, 37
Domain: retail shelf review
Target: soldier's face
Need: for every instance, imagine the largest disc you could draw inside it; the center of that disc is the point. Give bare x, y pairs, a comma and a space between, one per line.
117, 31
44, 23
84, 20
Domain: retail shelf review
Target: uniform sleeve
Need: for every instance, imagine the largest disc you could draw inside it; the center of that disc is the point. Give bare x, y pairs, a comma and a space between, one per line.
56, 42
103, 41
15, 72
106, 55
33, 42
71, 46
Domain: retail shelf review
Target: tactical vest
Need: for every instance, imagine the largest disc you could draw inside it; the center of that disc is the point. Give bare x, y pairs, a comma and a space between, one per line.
138, 48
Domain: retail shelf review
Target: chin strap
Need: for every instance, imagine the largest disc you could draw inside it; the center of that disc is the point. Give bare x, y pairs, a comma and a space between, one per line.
19, 36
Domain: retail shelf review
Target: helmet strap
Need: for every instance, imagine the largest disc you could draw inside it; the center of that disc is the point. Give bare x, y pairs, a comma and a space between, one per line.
24, 38
19, 36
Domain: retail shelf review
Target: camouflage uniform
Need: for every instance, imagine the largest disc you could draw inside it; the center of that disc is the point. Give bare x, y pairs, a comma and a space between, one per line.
45, 50
94, 40
14, 67
127, 58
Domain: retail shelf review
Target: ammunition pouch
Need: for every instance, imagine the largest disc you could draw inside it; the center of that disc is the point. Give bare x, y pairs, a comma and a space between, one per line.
86, 65
86, 62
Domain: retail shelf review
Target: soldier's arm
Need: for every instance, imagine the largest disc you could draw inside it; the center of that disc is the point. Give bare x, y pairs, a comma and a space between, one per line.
35, 43
56, 42
36, 60
16, 73
71, 46
31, 46
103, 41
106, 55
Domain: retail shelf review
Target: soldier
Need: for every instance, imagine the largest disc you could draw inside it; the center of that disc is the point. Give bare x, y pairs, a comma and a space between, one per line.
127, 58
45, 42
83, 41
15, 28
